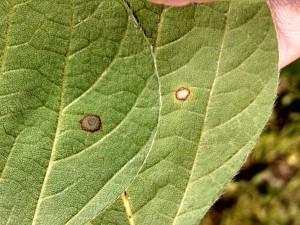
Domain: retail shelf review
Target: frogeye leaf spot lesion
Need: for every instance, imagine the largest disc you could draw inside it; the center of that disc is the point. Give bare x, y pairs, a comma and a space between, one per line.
90, 123
182, 94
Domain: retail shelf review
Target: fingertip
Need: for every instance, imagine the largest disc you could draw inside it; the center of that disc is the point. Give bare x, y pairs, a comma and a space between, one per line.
171, 2
287, 22
287, 57
180, 2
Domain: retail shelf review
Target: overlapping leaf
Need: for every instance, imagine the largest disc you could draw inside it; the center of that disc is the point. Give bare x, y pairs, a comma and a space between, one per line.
226, 54
61, 60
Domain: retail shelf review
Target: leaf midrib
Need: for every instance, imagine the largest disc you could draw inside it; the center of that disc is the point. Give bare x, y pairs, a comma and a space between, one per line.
205, 116
59, 118
153, 54
6, 37
2, 62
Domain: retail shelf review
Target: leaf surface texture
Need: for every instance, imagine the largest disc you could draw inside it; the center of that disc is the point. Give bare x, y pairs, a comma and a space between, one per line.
182, 93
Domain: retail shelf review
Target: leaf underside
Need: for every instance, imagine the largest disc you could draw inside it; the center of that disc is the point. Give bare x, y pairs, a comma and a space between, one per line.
124, 61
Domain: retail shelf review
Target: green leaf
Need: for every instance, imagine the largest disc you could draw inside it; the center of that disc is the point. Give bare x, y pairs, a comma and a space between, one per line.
61, 60
188, 89
226, 54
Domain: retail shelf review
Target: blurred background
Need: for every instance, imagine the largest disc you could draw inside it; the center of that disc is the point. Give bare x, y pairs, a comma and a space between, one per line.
267, 189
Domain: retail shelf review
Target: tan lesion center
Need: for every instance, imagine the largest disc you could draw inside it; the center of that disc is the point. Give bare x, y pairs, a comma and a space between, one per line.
182, 93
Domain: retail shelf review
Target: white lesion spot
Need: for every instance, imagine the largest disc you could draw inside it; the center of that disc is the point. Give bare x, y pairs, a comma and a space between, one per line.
182, 93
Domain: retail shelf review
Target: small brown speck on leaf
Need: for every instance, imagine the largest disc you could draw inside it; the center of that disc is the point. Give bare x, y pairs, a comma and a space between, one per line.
90, 123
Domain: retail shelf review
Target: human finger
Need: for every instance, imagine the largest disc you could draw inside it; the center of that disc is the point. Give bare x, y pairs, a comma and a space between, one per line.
286, 14
179, 2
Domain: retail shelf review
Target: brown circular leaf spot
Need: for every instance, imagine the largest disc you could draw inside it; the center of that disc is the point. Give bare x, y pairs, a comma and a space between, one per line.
90, 123
182, 94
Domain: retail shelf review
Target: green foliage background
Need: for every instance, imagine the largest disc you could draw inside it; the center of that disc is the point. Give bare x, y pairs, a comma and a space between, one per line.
267, 189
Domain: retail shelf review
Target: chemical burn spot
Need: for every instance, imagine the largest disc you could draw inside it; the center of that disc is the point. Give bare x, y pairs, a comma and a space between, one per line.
182, 94
90, 123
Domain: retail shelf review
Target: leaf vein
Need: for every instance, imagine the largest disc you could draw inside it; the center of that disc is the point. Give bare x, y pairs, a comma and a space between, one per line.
6, 37
178, 213
58, 122
239, 113
105, 136
101, 75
